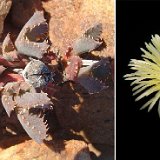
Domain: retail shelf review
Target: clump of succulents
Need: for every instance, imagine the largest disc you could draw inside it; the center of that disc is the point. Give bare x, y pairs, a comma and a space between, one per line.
28, 72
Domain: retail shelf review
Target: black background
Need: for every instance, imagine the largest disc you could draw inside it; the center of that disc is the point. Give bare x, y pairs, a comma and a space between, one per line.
137, 131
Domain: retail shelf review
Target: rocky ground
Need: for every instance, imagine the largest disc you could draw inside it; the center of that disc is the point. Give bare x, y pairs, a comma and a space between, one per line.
83, 125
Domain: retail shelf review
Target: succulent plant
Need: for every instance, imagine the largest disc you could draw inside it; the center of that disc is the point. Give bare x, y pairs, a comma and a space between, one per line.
27, 72
146, 81
22, 98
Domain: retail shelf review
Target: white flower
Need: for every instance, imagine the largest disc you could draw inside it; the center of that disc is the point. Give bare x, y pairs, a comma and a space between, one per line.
146, 78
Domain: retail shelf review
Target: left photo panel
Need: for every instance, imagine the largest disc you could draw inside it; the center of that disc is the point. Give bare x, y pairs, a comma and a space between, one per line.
57, 79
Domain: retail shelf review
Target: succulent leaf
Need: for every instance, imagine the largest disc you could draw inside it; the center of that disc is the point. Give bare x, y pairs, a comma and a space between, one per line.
89, 41
18, 63
33, 100
8, 103
11, 90
85, 44
37, 73
33, 124
29, 41
72, 69
2, 69
17, 88
90, 84
92, 77
101, 70
94, 31
7, 45
8, 50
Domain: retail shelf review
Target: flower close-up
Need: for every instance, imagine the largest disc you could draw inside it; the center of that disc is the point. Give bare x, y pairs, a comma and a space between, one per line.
146, 75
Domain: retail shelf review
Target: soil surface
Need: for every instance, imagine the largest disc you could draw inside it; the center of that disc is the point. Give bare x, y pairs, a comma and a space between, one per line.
81, 125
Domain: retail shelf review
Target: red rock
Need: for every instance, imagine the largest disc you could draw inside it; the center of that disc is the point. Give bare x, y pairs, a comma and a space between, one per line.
59, 150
